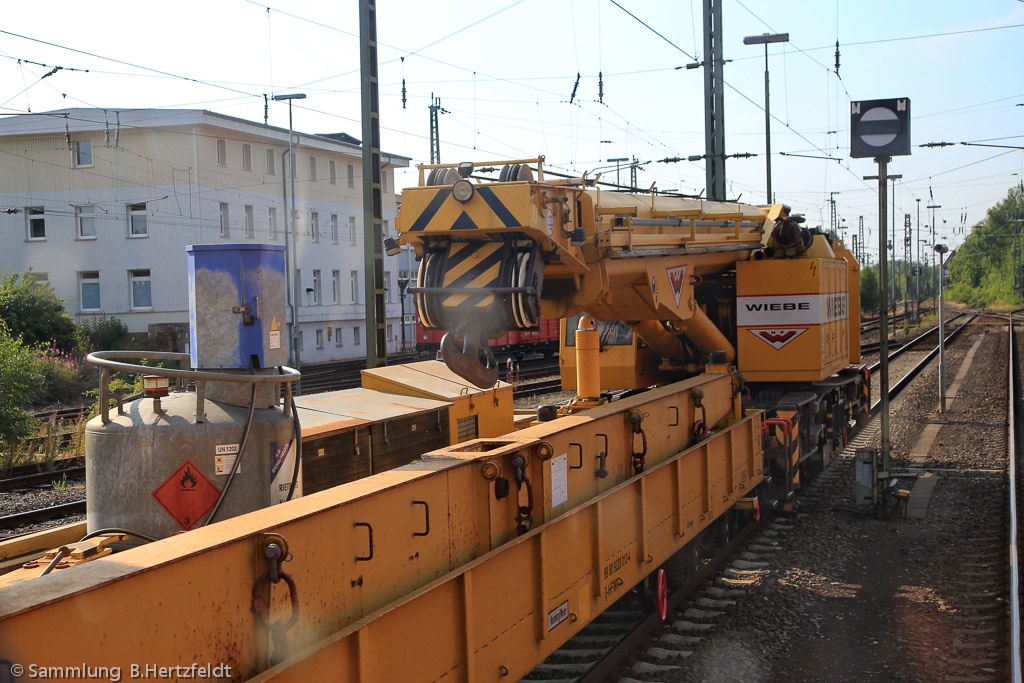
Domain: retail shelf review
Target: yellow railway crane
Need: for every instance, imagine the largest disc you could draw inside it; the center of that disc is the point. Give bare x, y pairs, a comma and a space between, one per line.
478, 560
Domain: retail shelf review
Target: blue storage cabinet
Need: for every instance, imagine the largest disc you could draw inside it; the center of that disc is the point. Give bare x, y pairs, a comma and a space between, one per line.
236, 312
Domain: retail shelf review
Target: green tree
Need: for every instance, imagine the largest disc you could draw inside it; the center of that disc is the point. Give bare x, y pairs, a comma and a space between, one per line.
33, 311
19, 378
981, 270
869, 295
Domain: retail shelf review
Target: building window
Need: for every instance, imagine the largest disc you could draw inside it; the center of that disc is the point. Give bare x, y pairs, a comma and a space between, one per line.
384, 181
337, 336
390, 332
250, 221
387, 286
246, 157
357, 337
270, 162
319, 339
312, 169
352, 230
385, 228
36, 222
299, 342
137, 226
314, 225
85, 216
83, 153
333, 172
225, 228
316, 287
336, 286
272, 221
89, 290
334, 228
142, 292
351, 176
354, 282
222, 153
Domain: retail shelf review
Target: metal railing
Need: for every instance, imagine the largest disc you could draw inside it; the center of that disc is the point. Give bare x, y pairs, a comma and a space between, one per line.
102, 359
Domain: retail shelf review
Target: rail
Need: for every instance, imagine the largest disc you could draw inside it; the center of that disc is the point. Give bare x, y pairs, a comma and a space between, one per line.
1012, 390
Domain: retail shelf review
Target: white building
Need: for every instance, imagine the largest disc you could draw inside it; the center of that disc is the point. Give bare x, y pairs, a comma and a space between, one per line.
102, 204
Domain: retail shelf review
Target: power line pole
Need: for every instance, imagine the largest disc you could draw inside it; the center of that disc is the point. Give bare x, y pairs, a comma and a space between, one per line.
908, 244
714, 101
376, 315
935, 282
917, 267
863, 245
435, 136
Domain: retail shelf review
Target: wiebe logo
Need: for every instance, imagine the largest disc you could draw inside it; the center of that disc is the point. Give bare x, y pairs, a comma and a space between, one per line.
779, 338
676, 278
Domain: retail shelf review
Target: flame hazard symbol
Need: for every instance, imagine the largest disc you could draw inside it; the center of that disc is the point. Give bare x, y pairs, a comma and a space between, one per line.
779, 338
676, 278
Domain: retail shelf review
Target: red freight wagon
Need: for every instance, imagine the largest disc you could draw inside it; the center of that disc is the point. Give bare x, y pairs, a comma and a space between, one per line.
543, 340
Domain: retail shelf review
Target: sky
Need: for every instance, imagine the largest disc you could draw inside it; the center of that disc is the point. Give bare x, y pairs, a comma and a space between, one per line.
506, 75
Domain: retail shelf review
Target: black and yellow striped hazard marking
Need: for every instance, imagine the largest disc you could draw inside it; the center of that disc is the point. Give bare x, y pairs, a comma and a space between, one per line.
473, 264
471, 215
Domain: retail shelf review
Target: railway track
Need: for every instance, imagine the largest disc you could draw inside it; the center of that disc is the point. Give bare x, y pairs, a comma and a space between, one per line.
46, 514
340, 375
37, 478
605, 646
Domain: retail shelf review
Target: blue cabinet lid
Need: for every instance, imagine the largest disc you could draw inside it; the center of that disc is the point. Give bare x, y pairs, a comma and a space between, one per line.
244, 246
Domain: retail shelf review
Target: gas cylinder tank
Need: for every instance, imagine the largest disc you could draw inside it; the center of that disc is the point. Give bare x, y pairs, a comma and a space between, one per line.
155, 470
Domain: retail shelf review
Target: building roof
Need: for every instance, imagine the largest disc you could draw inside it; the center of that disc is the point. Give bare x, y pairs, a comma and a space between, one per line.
82, 119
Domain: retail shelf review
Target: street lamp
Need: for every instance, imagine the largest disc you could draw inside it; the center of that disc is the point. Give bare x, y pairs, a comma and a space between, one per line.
764, 39
403, 282
291, 156
941, 249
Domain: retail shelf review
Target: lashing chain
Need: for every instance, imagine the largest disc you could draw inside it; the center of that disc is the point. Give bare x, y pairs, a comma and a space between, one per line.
700, 426
636, 418
275, 555
524, 513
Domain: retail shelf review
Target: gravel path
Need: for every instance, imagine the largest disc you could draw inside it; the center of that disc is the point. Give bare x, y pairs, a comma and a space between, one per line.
848, 597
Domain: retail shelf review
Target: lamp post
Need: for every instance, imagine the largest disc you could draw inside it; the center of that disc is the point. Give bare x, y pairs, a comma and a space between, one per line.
402, 284
764, 39
941, 249
291, 162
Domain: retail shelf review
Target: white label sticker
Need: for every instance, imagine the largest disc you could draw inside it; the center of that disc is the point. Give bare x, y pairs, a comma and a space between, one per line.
559, 480
224, 458
790, 309
550, 219
558, 615
275, 339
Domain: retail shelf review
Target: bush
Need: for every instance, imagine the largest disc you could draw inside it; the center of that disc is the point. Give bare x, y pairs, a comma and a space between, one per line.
102, 334
34, 312
65, 377
19, 378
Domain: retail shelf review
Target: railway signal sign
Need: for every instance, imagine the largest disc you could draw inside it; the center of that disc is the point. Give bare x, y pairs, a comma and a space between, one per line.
880, 128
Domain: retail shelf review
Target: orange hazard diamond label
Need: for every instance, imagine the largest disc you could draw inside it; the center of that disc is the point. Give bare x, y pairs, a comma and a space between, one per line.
187, 495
